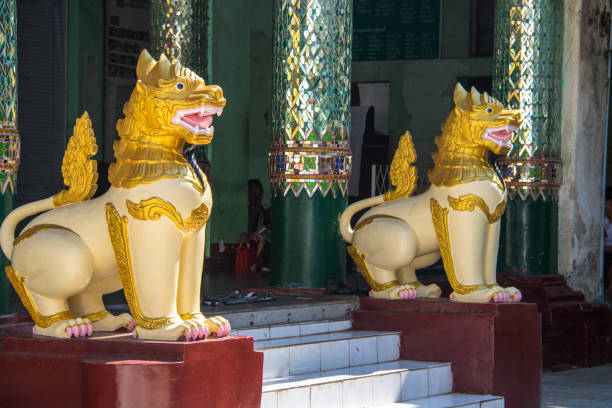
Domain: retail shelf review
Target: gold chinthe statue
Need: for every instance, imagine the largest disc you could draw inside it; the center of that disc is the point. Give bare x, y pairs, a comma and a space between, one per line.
457, 218
145, 235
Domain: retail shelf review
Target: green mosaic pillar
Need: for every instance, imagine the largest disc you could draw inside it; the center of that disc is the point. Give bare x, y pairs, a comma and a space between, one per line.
310, 155
9, 136
527, 75
179, 29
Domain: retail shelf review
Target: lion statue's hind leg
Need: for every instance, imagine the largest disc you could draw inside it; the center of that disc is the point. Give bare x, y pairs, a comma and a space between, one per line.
381, 246
51, 264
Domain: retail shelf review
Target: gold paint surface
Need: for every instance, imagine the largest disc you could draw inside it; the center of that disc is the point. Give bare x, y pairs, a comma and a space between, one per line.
463, 152
440, 220
470, 201
188, 316
367, 221
30, 232
150, 147
363, 268
18, 283
80, 172
403, 173
117, 229
154, 208
94, 317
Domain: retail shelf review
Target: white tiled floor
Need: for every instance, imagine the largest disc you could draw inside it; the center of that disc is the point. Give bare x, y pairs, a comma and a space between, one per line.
386, 388
294, 398
363, 351
320, 364
326, 395
304, 358
276, 363
440, 380
334, 354
415, 384
293, 330
375, 384
451, 400
357, 392
302, 354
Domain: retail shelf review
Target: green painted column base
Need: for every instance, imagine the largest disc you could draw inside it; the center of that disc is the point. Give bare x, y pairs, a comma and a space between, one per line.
307, 249
528, 240
6, 291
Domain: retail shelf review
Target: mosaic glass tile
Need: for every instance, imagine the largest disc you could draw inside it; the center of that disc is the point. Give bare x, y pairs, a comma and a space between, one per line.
179, 30
9, 136
312, 66
527, 75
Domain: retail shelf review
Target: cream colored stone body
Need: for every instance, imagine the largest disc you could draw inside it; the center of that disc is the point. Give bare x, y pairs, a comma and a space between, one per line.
88, 268
456, 218
145, 235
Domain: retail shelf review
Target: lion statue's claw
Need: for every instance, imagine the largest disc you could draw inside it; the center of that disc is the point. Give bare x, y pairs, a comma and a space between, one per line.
218, 326
66, 329
493, 294
197, 331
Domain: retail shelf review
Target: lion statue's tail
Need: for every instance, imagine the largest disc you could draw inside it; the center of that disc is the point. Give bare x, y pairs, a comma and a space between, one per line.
403, 176
80, 176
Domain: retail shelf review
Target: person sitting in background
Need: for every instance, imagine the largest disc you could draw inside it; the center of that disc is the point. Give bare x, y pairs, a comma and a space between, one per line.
259, 224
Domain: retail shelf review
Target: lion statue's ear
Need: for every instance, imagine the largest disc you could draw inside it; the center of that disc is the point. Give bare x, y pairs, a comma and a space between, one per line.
145, 65
164, 66
461, 98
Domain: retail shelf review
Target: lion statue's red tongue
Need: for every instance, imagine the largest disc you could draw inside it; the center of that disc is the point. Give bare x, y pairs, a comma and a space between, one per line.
195, 119
503, 135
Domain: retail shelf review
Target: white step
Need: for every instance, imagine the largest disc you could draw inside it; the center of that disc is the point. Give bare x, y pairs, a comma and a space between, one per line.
451, 401
313, 309
294, 330
289, 356
359, 386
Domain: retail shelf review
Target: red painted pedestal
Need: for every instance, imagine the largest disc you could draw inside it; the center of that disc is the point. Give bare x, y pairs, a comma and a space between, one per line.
494, 348
117, 371
573, 330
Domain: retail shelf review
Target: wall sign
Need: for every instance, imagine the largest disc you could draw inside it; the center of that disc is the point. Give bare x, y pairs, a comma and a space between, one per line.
395, 29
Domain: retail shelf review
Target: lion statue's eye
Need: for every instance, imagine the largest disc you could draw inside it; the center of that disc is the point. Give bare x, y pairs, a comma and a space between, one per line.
179, 86
489, 110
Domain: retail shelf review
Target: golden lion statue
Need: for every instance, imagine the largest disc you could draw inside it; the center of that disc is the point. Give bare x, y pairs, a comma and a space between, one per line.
145, 235
456, 218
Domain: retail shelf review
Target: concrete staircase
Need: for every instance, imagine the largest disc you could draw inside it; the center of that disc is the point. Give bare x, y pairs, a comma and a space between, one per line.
324, 363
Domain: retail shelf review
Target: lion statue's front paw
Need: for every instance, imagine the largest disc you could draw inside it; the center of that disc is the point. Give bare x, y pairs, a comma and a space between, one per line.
198, 328
171, 332
67, 328
218, 326
510, 294
431, 291
489, 293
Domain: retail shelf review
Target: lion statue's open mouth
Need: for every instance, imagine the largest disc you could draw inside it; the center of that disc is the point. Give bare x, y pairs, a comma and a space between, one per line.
197, 120
501, 135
